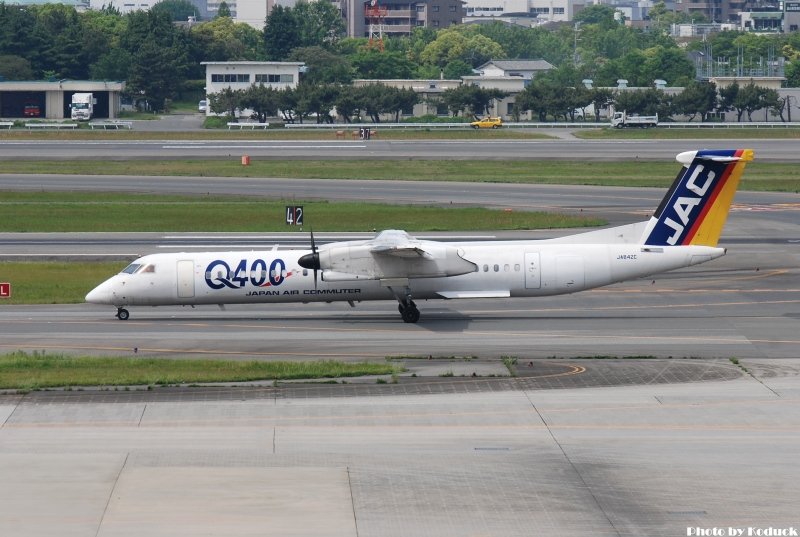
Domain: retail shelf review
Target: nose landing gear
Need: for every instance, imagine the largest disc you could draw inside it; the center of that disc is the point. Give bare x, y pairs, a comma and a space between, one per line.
122, 314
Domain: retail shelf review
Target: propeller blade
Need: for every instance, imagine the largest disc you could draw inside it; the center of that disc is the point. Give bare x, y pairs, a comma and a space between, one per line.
311, 261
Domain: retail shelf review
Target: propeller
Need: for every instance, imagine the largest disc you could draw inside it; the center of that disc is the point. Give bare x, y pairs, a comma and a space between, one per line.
311, 261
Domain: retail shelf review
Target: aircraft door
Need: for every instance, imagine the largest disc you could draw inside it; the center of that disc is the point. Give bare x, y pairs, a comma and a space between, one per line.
569, 272
533, 271
185, 278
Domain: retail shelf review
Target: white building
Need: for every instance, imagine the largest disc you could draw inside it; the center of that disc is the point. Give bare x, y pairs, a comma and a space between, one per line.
124, 6
545, 10
524, 69
242, 75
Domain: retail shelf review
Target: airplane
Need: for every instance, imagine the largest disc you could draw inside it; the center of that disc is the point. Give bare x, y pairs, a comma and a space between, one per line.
393, 265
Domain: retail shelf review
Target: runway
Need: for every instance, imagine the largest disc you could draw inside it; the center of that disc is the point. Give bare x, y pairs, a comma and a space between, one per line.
653, 459
570, 447
767, 150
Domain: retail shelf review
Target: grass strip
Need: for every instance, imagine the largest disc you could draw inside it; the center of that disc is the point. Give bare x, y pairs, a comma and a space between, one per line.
54, 282
30, 371
279, 134
722, 133
760, 176
113, 212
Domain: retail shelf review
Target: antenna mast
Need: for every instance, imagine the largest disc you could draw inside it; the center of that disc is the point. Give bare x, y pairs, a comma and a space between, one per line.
375, 14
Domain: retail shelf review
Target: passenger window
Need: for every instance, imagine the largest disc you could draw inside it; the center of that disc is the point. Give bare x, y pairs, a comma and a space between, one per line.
497, 268
516, 267
506, 267
486, 268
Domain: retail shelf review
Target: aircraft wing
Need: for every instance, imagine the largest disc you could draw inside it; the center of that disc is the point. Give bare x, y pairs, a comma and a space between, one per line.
391, 254
397, 243
401, 251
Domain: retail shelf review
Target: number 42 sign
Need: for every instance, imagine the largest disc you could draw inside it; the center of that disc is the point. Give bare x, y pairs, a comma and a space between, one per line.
294, 215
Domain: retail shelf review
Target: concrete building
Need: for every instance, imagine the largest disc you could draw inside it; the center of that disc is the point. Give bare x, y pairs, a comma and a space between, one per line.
242, 75
51, 99
428, 90
525, 69
79, 5
124, 6
533, 10
401, 17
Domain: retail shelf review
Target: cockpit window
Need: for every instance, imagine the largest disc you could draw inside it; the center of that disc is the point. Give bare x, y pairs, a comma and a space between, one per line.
130, 269
147, 268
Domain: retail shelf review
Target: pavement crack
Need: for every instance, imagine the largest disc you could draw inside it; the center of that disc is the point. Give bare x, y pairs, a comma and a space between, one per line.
352, 500
111, 494
10, 414
572, 465
142, 416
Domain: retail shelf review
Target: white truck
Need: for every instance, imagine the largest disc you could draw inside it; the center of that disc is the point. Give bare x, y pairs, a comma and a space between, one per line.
621, 120
82, 106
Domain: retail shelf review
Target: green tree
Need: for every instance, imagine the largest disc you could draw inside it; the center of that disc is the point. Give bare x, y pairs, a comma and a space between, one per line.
113, 65
520, 42
323, 66
157, 72
15, 68
222, 39
385, 65
399, 99
601, 98
459, 44
262, 100
319, 23
727, 96
16, 31
224, 9
697, 98
470, 99
177, 10
647, 102
61, 50
372, 99
456, 69
226, 101
348, 105
668, 63
281, 33
599, 14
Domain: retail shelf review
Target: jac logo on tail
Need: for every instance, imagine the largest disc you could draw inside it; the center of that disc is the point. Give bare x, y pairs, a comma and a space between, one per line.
684, 205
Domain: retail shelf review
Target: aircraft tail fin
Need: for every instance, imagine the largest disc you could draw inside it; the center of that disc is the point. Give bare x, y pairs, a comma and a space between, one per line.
696, 206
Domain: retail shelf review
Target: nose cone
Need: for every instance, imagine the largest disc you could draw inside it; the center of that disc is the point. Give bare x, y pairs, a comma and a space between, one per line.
309, 261
101, 294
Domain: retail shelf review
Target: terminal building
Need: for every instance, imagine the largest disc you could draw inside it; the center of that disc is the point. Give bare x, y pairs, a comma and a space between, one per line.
38, 99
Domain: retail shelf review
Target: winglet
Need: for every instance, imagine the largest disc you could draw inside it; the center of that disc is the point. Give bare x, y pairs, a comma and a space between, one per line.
696, 207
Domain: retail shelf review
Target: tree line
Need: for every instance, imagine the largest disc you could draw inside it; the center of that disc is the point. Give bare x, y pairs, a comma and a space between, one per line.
161, 60
546, 99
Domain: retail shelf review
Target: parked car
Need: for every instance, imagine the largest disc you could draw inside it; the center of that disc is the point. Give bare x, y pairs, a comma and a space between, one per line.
202, 106
487, 123
31, 110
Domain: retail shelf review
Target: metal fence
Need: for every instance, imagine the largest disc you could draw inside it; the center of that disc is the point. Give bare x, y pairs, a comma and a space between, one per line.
534, 125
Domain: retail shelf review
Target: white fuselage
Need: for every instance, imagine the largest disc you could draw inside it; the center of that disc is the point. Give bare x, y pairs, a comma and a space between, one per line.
504, 269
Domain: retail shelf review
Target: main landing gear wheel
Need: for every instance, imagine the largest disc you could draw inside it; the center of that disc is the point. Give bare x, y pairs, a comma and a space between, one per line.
409, 313
122, 314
